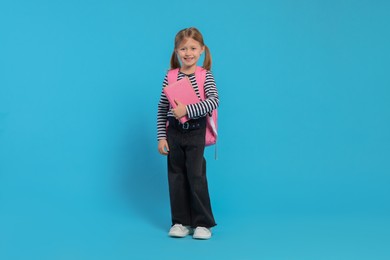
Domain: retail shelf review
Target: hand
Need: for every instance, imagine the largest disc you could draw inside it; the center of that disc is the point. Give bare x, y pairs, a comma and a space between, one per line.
180, 110
163, 147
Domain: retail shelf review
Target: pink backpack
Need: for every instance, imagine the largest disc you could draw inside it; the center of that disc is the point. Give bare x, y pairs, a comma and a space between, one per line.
211, 127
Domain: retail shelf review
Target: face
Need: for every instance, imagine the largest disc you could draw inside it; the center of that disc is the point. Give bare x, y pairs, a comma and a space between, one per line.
189, 52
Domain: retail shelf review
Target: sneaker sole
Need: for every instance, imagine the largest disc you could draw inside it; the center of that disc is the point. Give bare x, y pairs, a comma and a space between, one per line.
201, 238
179, 236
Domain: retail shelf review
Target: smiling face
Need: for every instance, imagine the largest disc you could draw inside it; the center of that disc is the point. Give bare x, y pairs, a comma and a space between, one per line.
189, 52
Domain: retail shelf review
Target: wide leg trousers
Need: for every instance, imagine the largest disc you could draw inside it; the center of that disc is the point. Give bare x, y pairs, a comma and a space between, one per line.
188, 188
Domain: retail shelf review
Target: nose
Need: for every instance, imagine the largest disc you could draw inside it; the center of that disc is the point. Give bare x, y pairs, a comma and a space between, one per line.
188, 52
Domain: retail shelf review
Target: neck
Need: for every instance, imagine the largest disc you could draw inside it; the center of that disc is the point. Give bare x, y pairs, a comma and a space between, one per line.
188, 70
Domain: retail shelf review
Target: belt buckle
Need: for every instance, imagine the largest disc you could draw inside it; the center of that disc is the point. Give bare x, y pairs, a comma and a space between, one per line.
186, 126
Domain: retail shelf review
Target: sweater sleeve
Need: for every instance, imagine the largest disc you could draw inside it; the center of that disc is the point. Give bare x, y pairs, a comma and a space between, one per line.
211, 101
162, 113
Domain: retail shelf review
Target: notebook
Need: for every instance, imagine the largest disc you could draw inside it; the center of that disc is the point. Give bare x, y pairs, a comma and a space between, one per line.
181, 91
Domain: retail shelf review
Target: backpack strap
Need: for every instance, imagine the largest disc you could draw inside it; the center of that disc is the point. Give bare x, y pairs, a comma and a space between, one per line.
200, 75
172, 75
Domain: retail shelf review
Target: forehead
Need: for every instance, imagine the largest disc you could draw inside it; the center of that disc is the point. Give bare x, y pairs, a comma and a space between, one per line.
189, 42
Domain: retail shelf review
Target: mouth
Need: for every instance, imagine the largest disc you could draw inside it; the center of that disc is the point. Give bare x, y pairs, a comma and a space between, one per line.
189, 59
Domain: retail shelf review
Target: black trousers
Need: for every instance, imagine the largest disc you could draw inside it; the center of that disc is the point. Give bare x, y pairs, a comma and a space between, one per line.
188, 188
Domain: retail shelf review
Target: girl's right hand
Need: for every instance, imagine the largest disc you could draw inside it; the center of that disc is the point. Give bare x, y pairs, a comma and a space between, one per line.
163, 147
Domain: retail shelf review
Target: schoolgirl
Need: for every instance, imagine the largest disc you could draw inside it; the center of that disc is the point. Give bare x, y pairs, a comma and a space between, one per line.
184, 143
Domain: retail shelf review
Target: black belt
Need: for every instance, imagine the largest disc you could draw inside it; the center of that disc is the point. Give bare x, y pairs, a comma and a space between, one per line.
189, 125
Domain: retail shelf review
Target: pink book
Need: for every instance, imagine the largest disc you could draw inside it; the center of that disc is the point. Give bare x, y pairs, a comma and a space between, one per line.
181, 91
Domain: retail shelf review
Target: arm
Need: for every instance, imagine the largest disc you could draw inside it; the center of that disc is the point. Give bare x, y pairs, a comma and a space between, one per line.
162, 112
209, 104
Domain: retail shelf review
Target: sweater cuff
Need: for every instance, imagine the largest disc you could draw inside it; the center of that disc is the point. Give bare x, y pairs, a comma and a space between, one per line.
189, 115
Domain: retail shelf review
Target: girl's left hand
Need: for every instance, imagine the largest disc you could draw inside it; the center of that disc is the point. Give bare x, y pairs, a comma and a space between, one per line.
180, 110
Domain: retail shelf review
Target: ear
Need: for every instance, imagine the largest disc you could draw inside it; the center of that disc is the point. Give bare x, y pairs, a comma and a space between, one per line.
203, 48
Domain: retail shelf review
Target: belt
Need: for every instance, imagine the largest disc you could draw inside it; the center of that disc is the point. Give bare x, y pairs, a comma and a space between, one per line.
187, 126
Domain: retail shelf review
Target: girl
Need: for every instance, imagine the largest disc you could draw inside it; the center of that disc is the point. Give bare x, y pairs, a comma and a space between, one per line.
184, 146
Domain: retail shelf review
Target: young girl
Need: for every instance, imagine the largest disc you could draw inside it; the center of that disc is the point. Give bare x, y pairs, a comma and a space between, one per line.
183, 145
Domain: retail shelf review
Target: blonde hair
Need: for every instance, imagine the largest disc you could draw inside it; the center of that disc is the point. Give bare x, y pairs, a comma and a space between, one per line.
194, 34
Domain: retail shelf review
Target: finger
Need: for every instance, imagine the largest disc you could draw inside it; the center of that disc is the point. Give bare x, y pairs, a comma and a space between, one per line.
165, 149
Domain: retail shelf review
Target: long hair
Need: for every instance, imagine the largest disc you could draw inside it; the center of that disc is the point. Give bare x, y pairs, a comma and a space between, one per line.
194, 34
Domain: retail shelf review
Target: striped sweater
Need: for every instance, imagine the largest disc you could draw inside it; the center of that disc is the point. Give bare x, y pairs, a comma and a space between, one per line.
194, 110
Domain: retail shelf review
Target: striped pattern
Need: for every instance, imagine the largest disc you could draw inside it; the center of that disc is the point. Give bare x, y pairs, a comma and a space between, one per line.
193, 111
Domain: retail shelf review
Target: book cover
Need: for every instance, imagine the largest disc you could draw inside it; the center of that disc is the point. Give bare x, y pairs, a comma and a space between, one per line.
181, 91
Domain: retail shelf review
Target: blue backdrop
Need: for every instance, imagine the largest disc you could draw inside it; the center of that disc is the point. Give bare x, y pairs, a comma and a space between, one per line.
304, 124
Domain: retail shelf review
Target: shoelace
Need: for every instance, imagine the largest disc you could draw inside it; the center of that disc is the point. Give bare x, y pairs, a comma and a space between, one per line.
181, 227
203, 229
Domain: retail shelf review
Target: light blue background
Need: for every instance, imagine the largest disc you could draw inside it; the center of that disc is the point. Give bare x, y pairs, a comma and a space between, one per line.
303, 168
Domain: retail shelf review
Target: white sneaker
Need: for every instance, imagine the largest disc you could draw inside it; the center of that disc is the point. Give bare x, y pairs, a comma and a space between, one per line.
202, 233
178, 230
